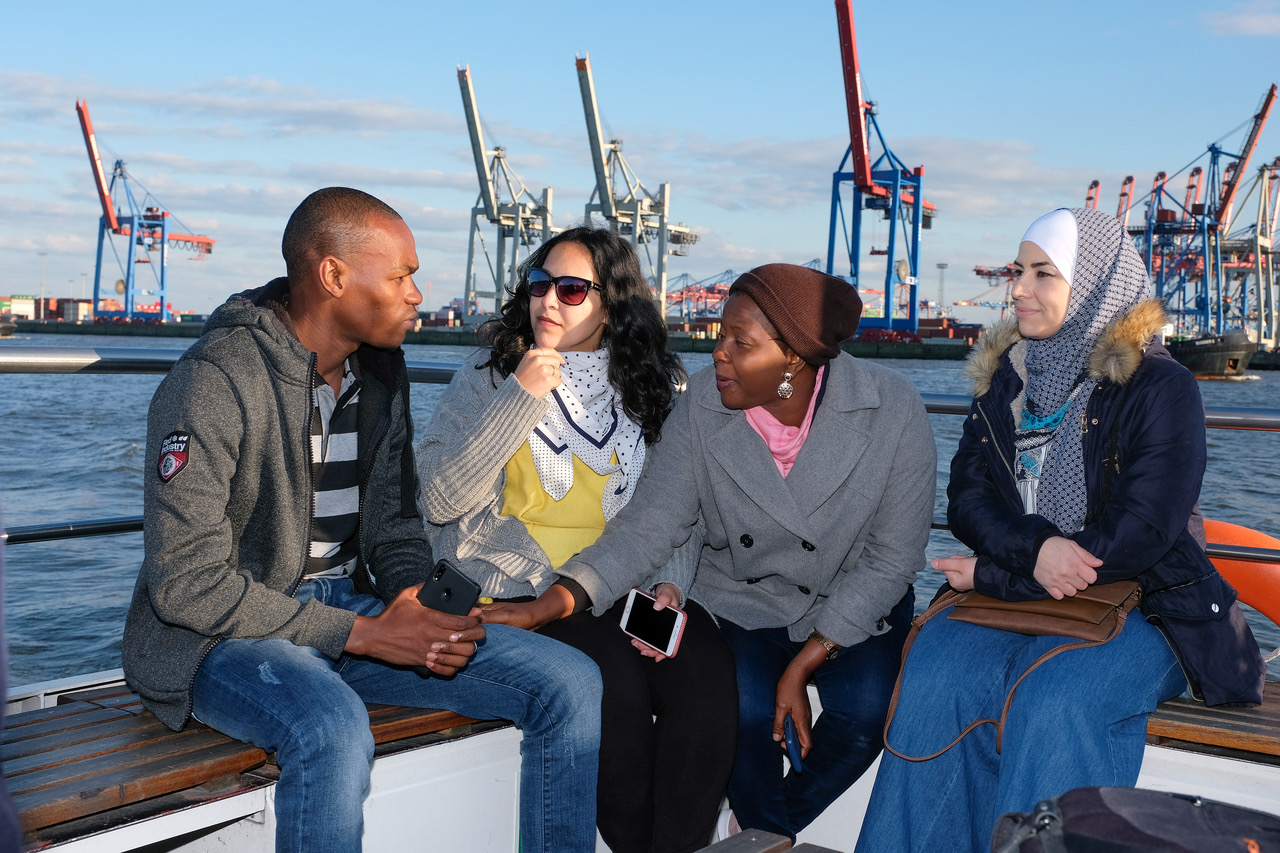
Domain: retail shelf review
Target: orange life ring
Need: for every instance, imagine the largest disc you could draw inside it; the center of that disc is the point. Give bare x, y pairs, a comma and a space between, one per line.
1257, 583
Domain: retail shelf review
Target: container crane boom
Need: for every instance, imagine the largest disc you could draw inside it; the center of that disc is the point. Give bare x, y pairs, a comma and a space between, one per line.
1126, 196
1091, 197
95, 163
1236, 169
598, 160
858, 141
478, 151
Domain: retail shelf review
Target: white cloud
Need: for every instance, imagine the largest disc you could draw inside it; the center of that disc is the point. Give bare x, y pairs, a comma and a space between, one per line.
1253, 18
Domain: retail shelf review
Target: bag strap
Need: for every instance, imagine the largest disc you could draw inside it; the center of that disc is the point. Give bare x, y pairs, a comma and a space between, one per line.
942, 602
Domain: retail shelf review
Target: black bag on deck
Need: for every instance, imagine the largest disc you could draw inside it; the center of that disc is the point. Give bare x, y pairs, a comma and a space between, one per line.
1127, 820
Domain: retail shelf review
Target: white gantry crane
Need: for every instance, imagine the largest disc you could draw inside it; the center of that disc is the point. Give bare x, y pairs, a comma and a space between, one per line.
635, 211
522, 220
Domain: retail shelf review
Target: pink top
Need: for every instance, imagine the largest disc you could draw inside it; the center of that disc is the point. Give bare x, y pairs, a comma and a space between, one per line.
784, 442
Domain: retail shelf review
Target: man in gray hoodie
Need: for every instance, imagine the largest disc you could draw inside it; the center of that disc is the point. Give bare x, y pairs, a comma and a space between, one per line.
284, 548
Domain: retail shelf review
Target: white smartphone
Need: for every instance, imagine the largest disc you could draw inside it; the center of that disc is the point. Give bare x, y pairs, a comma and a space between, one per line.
658, 629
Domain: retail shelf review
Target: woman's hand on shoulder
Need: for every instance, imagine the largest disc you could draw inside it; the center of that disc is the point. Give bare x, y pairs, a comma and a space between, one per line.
539, 371
958, 569
1064, 568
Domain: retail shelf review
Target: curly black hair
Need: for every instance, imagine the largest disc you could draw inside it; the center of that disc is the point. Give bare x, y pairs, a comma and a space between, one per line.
641, 368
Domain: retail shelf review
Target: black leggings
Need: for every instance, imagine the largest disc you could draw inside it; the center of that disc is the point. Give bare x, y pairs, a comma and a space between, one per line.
661, 780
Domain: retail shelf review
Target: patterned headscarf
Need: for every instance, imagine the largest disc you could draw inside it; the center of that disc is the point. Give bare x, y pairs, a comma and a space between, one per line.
586, 420
1107, 278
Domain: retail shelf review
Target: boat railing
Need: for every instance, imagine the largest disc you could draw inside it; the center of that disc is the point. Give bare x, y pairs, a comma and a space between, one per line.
128, 360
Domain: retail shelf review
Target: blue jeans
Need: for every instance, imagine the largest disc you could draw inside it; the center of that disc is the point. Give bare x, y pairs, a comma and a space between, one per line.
310, 710
854, 688
1079, 719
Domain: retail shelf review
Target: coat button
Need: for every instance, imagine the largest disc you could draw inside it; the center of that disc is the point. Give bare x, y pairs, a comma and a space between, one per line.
753, 580
1213, 607
808, 546
984, 439
803, 589
879, 624
1094, 421
746, 540
973, 417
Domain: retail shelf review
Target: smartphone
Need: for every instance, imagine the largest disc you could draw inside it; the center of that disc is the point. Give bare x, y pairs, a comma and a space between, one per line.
449, 590
793, 743
658, 629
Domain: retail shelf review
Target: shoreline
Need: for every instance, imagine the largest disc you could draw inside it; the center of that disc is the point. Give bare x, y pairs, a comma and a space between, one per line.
949, 351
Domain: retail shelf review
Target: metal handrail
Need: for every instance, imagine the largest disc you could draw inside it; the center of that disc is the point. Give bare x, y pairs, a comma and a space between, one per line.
133, 524
127, 360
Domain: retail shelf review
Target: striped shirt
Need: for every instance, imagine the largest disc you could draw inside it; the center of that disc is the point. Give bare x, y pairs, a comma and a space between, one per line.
335, 477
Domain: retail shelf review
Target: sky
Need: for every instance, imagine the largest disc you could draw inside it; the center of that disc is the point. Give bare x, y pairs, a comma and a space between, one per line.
230, 113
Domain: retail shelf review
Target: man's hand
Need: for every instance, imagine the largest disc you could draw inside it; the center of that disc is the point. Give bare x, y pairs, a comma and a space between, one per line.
1064, 568
539, 371
408, 634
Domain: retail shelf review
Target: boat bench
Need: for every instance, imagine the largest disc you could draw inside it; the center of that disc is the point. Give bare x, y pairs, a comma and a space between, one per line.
98, 759
1249, 733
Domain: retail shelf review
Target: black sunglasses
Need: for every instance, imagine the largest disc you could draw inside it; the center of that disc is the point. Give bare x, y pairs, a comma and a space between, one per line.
570, 289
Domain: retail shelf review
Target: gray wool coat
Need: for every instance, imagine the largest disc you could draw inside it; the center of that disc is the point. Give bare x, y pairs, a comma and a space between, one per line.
832, 547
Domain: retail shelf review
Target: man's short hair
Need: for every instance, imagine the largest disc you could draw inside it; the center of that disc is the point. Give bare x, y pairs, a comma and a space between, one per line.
330, 222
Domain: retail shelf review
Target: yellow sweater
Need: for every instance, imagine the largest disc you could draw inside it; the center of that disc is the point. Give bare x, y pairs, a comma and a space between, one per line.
564, 527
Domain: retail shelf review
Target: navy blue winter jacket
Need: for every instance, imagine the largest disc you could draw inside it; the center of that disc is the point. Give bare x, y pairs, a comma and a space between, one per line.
1149, 528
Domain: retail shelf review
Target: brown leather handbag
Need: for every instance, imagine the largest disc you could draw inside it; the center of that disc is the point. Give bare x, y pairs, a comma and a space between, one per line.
1093, 616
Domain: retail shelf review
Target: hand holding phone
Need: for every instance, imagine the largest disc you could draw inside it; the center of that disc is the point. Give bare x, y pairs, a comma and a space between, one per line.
449, 590
658, 629
793, 743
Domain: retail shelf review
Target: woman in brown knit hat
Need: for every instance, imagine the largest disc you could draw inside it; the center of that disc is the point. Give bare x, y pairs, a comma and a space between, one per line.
812, 475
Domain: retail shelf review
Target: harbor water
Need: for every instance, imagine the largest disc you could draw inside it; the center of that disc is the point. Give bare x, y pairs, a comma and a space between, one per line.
74, 446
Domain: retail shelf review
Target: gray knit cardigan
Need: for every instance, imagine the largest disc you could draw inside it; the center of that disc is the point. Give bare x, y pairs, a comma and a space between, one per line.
478, 425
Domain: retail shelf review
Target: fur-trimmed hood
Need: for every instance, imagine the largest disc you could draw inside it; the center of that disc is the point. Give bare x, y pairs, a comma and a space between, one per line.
1115, 356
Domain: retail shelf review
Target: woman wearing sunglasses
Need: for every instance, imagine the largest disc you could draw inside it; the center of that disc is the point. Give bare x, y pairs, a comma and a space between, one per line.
535, 445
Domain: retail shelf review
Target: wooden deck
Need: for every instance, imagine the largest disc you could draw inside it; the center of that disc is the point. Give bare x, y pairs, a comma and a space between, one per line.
99, 751
99, 760
1248, 733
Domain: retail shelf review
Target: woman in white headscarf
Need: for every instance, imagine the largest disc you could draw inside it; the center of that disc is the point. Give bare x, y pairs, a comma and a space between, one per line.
1077, 385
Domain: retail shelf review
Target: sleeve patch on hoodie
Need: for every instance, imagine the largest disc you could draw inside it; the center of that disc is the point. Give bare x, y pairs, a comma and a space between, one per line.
173, 455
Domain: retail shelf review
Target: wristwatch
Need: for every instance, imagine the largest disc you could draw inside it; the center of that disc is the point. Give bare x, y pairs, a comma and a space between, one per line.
827, 644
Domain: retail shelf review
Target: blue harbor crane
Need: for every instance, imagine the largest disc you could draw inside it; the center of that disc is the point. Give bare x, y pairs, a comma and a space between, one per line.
145, 230
1185, 244
885, 185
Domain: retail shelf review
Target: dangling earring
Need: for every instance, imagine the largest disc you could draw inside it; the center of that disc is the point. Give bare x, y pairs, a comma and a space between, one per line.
785, 390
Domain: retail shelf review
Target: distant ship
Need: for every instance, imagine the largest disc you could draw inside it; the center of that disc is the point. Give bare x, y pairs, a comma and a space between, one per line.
7, 326
1214, 356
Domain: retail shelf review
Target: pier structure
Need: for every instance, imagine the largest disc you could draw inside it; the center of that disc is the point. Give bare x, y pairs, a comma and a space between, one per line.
145, 230
521, 219
624, 202
886, 185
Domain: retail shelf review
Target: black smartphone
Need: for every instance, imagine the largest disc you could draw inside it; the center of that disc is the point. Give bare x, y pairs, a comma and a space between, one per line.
448, 590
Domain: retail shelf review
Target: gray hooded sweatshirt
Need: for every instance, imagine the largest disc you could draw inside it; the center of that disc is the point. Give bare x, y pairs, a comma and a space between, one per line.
228, 499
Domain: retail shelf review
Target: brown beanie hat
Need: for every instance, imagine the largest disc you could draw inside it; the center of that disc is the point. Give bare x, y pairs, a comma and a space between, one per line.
812, 311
